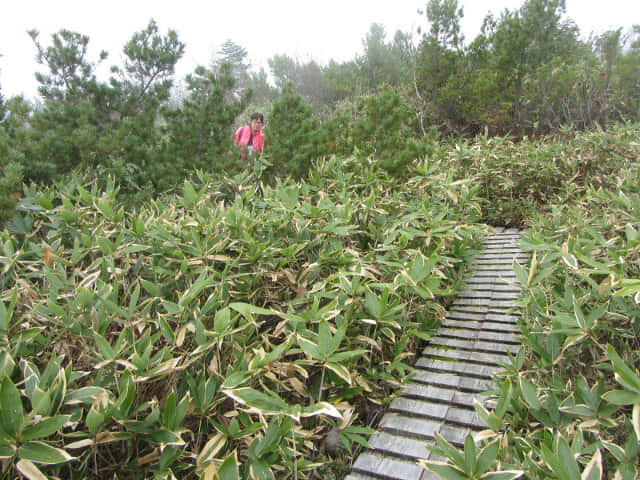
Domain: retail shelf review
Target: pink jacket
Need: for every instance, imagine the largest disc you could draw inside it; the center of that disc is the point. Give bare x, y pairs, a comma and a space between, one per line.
244, 133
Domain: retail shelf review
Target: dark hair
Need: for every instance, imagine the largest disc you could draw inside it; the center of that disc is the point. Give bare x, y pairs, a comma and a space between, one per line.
257, 116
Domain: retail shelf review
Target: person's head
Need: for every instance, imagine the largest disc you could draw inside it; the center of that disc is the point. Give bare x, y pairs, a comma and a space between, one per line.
257, 120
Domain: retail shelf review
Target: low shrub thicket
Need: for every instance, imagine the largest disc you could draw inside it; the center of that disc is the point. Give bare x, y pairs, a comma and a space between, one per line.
568, 407
225, 331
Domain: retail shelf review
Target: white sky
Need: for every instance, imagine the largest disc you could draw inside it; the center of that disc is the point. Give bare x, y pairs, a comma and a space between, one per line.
320, 30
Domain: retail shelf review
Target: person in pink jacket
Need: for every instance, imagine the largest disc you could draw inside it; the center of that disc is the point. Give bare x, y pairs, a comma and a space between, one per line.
250, 137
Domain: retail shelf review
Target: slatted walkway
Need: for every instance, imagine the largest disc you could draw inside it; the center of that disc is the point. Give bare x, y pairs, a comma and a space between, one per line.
453, 370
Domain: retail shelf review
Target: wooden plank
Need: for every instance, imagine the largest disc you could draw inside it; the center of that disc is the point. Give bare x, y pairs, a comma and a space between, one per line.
481, 335
489, 294
502, 317
463, 355
497, 276
361, 476
462, 417
459, 368
451, 380
476, 345
492, 282
481, 325
491, 268
484, 302
386, 466
400, 445
423, 429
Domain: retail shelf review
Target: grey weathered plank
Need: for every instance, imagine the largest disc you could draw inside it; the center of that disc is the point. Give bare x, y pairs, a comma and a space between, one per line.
489, 294
496, 276
458, 368
480, 325
451, 380
386, 466
485, 302
482, 335
362, 476
502, 317
493, 267
443, 395
462, 417
401, 446
424, 429
463, 355
476, 345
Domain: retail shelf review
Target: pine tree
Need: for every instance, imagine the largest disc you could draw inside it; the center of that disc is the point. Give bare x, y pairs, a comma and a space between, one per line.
236, 56
294, 138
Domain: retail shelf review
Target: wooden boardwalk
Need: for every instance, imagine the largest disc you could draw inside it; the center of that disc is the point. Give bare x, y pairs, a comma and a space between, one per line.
454, 369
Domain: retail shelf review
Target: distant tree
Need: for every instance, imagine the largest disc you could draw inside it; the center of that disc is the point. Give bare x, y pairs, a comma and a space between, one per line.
3, 108
201, 131
284, 70
444, 19
440, 73
146, 78
294, 137
64, 133
311, 84
262, 91
524, 40
343, 80
379, 63
237, 56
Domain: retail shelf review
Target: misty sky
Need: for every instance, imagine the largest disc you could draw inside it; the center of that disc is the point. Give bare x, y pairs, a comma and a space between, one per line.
321, 30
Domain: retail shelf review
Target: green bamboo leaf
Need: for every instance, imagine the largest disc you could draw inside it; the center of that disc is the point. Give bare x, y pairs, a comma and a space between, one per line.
341, 357
621, 397
44, 428
521, 274
11, 411
504, 475
310, 348
593, 470
341, 371
469, 455
266, 404
29, 470
133, 301
190, 196
568, 460
40, 452
336, 340
530, 394
4, 319
578, 313
449, 451
320, 408
635, 419
486, 458
494, 422
104, 346
151, 288
624, 375
570, 260
630, 287
444, 470
324, 340
169, 412
229, 468
7, 364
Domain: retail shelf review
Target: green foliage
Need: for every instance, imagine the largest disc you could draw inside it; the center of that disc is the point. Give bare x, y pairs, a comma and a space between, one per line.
294, 137
379, 126
201, 131
568, 405
226, 328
